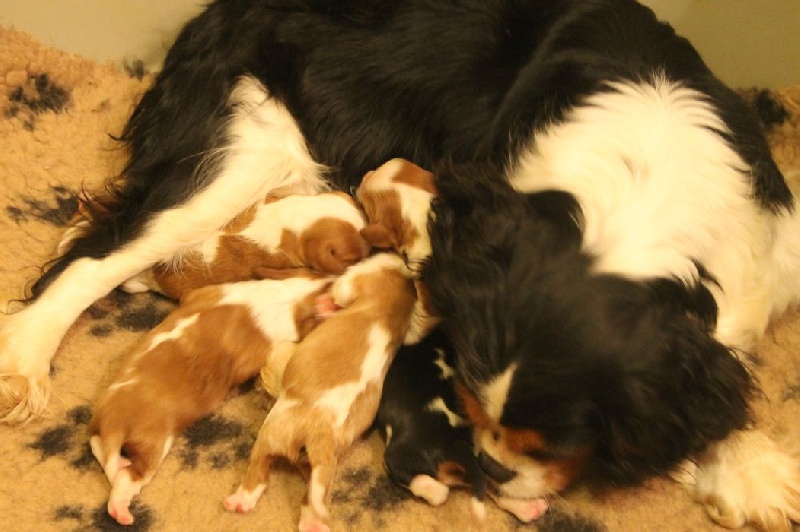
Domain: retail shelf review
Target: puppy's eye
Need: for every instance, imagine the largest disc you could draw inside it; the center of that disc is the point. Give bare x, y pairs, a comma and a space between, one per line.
496, 435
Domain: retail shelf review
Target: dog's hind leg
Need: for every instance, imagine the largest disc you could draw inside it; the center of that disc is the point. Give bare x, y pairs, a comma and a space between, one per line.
264, 151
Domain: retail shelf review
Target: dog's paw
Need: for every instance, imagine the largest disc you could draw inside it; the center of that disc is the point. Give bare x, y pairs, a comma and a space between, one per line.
311, 522
242, 500
24, 379
526, 510
430, 489
748, 479
120, 511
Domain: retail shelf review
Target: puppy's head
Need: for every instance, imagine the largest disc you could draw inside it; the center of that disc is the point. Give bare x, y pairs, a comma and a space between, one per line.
565, 372
396, 198
332, 243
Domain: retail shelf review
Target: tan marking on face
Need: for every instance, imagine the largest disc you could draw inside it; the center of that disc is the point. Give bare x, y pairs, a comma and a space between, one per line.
414, 176
509, 447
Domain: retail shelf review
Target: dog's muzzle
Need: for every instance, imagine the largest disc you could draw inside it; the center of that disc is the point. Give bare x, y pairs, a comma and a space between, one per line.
494, 469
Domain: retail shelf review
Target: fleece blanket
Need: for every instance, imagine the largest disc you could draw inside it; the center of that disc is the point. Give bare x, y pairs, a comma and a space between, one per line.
58, 116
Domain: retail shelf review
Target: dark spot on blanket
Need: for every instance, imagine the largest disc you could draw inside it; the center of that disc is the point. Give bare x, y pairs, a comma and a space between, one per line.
80, 415
39, 95
349, 482
57, 211
54, 441
792, 393
556, 520
85, 460
142, 519
220, 460
211, 430
142, 318
135, 69
384, 495
769, 109
189, 457
70, 511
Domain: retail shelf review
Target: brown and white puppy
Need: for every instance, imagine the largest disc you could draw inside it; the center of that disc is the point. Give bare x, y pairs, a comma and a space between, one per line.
396, 198
320, 232
219, 337
331, 385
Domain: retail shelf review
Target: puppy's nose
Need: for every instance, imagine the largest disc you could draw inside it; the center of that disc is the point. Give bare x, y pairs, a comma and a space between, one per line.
494, 469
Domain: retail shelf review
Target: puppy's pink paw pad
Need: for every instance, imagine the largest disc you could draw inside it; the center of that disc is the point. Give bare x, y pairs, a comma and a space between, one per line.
240, 502
120, 513
526, 510
312, 524
325, 306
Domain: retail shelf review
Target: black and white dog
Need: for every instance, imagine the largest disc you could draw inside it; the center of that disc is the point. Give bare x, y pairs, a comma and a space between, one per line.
598, 316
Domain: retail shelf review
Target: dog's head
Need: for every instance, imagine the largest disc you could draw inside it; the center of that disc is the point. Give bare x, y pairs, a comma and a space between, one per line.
396, 198
564, 371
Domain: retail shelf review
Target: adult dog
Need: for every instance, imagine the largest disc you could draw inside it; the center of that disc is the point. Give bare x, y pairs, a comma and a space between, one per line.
598, 318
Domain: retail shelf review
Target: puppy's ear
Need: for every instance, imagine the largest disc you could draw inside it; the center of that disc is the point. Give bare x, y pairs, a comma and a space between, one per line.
379, 236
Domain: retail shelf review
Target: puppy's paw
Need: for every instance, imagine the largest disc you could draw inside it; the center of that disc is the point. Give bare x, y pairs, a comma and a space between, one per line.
325, 306
429, 489
310, 521
120, 511
526, 510
242, 500
747, 478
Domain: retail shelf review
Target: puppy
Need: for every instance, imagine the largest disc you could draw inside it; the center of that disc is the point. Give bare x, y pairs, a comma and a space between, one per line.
396, 199
428, 441
320, 232
219, 337
331, 385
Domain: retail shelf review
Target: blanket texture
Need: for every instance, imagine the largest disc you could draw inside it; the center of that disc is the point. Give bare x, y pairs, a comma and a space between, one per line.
58, 115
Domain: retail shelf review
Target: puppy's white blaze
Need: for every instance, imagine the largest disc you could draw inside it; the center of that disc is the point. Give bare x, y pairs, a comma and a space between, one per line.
438, 405
316, 495
495, 393
340, 398
447, 371
297, 213
173, 334
270, 303
657, 165
117, 385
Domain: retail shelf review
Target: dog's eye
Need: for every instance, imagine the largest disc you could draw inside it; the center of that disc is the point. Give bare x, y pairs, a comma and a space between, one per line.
496, 435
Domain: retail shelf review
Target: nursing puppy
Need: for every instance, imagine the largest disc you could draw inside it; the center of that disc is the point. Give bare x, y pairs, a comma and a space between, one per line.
396, 199
320, 232
219, 337
679, 225
331, 385
428, 441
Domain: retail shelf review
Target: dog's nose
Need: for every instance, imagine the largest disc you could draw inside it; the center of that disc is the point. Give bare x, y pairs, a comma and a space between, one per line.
494, 469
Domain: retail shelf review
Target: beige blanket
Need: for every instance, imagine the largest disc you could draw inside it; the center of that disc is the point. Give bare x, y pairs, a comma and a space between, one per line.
57, 112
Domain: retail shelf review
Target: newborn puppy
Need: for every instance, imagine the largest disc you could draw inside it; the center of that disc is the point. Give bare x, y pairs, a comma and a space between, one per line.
219, 337
320, 232
428, 442
397, 199
331, 385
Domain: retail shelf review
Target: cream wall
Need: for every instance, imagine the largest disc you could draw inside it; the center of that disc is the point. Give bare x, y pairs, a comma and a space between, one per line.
746, 42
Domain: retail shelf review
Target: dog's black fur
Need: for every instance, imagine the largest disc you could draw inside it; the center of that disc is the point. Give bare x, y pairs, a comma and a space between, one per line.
627, 368
421, 441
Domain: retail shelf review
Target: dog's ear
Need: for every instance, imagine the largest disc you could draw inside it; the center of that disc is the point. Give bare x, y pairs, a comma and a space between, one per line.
379, 236
686, 391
